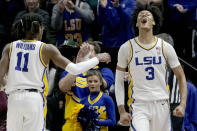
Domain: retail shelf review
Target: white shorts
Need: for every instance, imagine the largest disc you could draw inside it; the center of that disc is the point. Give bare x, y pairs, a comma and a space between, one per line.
25, 111
150, 116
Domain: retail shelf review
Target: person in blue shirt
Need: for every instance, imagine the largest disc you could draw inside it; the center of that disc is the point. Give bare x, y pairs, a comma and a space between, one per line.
190, 118
75, 87
99, 100
180, 24
115, 19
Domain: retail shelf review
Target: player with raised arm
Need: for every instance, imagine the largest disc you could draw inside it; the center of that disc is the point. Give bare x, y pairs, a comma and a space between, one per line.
146, 57
26, 62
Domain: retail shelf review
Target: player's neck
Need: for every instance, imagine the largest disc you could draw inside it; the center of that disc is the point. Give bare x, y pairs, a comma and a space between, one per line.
29, 36
146, 37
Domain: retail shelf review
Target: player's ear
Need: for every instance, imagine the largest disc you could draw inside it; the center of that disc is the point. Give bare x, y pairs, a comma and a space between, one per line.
136, 24
153, 22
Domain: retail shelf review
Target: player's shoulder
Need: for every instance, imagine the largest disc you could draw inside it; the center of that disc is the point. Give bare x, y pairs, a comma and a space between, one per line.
49, 47
166, 45
7, 47
127, 44
166, 39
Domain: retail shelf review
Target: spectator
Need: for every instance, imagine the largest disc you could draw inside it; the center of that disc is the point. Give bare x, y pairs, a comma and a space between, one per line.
190, 118
182, 18
114, 17
95, 28
51, 37
76, 87
8, 12
32, 6
97, 99
70, 19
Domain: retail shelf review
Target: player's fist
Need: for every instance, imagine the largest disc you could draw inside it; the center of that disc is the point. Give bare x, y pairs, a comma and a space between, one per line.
179, 111
104, 57
125, 118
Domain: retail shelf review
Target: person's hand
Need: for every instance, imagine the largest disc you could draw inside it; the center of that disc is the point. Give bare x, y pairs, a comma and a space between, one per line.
180, 8
126, 76
3, 83
104, 57
125, 118
115, 3
179, 111
83, 52
61, 5
2, 88
70, 4
103, 3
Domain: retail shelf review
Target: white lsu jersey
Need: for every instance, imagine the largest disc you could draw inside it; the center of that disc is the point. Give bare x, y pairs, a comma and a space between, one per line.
148, 71
26, 68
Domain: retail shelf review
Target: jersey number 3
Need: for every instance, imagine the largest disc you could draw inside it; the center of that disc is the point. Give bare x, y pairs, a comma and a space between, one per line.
19, 58
151, 74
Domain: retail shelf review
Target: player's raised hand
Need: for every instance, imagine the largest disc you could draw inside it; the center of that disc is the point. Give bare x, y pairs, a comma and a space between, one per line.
70, 4
104, 57
125, 119
180, 8
179, 111
61, 5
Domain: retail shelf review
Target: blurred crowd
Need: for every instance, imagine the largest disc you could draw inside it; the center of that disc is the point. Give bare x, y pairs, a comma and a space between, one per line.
70, 23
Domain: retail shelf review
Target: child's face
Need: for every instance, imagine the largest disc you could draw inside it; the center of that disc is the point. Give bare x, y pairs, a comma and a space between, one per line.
94, 83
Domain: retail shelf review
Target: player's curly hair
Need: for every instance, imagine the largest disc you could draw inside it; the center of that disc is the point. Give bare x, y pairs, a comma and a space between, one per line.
30, 22
155, 11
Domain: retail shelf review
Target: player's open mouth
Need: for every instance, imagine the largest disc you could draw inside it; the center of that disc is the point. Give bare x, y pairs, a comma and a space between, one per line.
143, 21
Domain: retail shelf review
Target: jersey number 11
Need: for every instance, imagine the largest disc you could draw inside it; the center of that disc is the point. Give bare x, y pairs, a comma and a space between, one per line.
19, 58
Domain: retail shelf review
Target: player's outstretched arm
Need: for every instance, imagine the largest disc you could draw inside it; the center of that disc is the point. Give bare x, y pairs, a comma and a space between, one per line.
50, 52
66, 83
4, 64
179, 111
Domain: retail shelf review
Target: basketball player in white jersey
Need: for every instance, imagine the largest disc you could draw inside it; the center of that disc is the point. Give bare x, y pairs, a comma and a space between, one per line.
26, 61
146, 57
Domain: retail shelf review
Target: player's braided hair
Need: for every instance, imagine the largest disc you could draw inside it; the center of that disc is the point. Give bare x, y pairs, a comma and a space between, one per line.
30, 22
155, 11
93, 72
